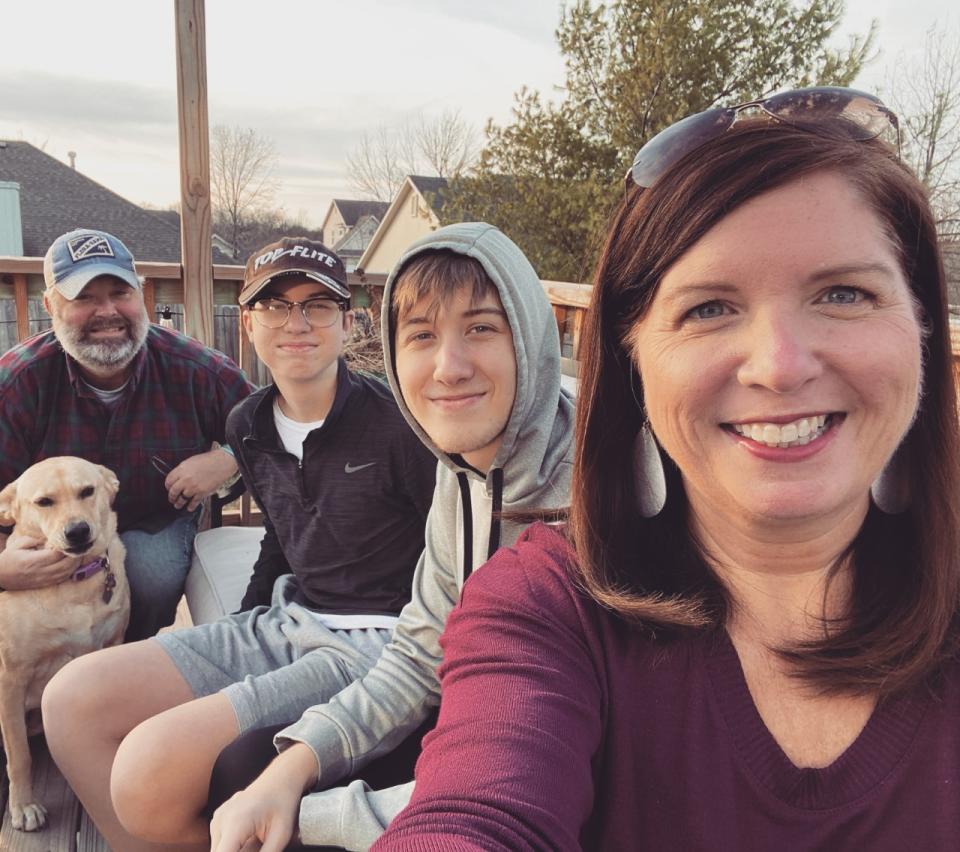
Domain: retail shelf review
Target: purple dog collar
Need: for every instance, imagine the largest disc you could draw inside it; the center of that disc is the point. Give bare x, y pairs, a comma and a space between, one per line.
91, 568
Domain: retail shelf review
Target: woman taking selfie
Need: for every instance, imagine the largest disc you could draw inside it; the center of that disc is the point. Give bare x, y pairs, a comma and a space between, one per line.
745, 637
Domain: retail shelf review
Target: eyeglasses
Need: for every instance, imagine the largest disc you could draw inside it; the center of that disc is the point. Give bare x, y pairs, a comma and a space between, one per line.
319, 313
864, 112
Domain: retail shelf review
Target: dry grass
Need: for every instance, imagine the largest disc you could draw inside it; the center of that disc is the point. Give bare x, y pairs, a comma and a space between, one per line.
364, 351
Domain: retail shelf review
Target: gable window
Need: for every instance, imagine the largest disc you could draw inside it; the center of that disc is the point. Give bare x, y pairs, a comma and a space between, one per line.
414, 205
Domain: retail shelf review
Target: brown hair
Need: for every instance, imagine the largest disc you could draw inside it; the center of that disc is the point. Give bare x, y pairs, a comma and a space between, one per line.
906, 589
438, 273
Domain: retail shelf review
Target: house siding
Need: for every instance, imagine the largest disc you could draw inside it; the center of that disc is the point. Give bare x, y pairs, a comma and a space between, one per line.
402, 230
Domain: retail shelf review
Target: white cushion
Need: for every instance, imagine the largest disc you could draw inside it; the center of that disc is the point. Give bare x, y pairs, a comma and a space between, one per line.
222, 564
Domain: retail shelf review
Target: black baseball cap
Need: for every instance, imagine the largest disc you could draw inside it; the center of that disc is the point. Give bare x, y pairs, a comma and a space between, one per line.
294, 256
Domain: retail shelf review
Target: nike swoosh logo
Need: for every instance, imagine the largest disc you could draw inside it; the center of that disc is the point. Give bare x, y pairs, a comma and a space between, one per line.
349, 468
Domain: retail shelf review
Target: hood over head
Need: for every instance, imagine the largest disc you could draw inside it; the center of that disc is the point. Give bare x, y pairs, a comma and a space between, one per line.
539, 431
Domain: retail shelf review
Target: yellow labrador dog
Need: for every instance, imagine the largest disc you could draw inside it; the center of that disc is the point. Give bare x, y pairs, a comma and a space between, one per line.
66, 503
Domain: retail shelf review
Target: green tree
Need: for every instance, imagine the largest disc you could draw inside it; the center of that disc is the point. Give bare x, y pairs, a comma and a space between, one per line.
550, 176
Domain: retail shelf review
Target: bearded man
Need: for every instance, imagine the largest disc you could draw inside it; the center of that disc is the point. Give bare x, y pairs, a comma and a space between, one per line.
148, 402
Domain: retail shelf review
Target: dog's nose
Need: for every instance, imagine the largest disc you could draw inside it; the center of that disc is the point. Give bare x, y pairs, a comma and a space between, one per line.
77, 532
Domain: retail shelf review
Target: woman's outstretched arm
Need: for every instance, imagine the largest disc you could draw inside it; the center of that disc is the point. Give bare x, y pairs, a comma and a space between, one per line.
509, 765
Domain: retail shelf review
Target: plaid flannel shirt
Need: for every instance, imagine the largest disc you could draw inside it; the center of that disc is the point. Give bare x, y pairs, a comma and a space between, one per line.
174, 406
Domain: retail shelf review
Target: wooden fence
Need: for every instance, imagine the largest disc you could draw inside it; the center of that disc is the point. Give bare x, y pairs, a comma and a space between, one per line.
227, 332
22, 314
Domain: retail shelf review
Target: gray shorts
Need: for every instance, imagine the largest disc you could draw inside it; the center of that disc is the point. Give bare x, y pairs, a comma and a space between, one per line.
272, 663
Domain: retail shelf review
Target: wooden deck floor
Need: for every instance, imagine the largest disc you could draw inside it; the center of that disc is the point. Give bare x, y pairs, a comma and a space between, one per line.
68, 827
66, 820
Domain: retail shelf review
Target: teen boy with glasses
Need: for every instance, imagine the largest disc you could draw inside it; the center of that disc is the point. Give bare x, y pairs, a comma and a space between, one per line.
345, 487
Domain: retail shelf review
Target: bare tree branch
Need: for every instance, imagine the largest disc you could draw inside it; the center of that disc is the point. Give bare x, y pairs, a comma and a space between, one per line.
445, 146
377, 166
925, 92
447, 143
243, 180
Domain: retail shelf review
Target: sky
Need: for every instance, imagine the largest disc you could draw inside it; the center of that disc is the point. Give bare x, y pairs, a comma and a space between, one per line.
312, 75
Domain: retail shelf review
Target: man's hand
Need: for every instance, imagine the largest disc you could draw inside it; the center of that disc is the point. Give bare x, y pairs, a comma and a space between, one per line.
198, 477
26, 564
267, 811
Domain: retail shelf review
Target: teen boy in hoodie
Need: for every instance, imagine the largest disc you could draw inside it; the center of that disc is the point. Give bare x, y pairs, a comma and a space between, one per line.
473, 357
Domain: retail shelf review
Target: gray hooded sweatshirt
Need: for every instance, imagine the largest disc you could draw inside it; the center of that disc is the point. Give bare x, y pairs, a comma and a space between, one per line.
531, 470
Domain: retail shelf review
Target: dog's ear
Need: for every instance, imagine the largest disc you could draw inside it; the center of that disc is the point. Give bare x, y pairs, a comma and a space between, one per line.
110, 481
7, 498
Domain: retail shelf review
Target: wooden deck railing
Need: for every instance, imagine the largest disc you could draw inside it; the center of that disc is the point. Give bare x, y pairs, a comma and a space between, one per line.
21, 278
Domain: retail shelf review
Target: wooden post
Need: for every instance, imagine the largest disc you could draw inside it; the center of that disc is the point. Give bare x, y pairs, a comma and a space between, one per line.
22, 305
195, 226
150, 299
246, 349
560, 315
578, 316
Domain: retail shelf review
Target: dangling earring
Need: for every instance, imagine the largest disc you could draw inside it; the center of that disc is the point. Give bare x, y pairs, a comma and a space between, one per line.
891, 489
649, 481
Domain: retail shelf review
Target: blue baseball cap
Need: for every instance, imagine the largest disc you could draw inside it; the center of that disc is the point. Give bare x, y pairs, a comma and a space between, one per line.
76, 258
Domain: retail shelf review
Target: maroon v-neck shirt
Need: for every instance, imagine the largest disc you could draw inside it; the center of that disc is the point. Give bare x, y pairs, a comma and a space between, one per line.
561, 728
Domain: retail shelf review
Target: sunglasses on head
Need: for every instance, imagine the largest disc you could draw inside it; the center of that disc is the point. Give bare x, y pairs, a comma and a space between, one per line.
865, 113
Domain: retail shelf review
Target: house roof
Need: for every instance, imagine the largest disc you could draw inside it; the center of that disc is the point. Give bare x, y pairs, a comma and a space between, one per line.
428, 188
352, 243
352, 210
55, 198
431, 188
172, 217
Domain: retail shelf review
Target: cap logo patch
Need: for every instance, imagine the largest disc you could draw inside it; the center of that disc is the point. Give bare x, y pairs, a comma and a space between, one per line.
89, 245
303, 251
